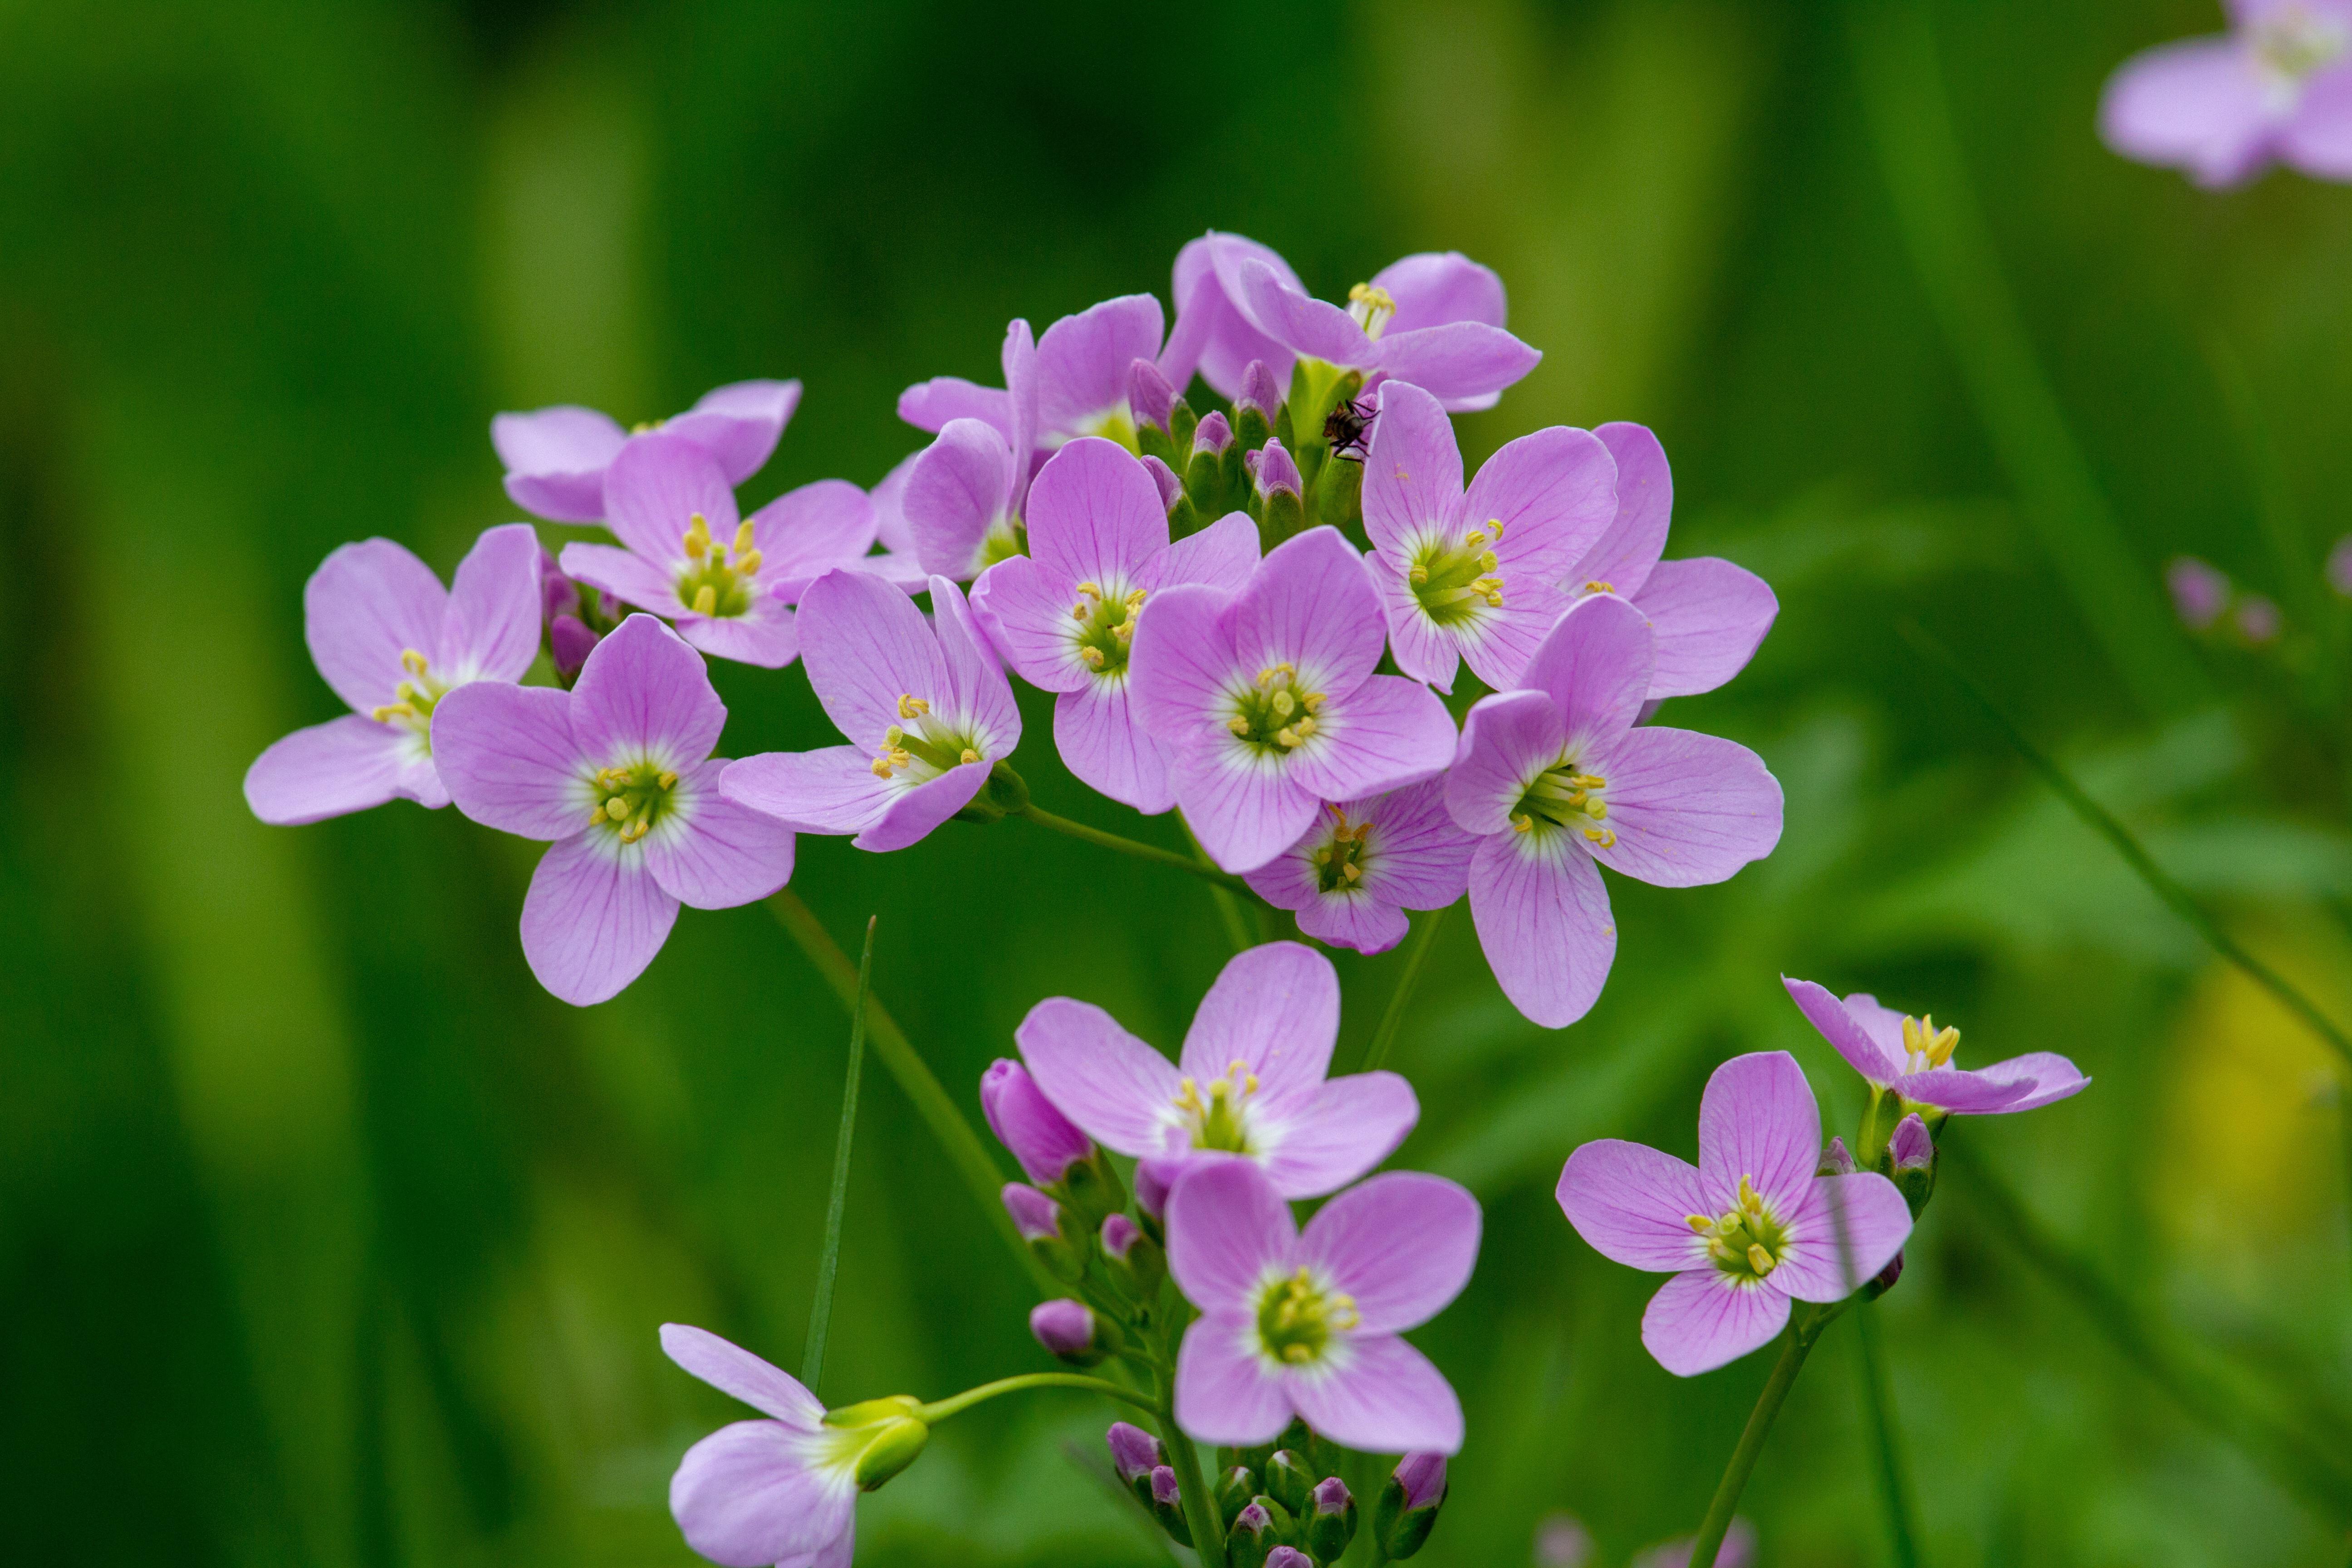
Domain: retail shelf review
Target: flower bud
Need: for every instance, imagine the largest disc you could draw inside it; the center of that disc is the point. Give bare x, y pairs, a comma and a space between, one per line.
1171, 488
1884, 1280
1330, 1518
1289, 1557
1836, 1160
1914, 1153
1236, 1485
570, 640
894, 1436
1407, 1509
1135, 1454
1153, 1180
558, 595
1151, 396
1255, 409
1038, 1218
1025, 1121
1256, 1531
1288, 1481
2199, 592
1214, 436
1276, 489
1136, 1263
1168, 1505
1075, 1331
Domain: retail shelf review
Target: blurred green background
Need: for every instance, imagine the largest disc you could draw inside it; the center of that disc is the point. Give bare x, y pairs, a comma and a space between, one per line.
327, 1238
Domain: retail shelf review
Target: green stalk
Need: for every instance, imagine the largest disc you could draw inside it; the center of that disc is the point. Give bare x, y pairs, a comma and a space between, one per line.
1229, 908
1224, 880
1200, 1507
2182, 902
1894, 1488
1391, 1021
955, 1404
1793, 1350
829, 1261
965, 1151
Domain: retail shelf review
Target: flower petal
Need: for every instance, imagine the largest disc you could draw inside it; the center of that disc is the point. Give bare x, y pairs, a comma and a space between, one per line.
1244, 809
1025, 607
1432, 288
1596, 663
1416, 855
1351, 1125
1424, 651
1704, 1318
739, 425
1844, 1231
732, 1369
1708, 618
1402, 1244
1082, 361
333, 769
1412, 472
1627, 551
960, 487
1272, 301
909, 814
2053, 1077
631, 579
748, 1495
1463, 365
555, 459
643, 693
1384, 1397
932, 405
1967, 1093
1863, 1050
1222, 555
508, 755
656, 487
766, 636
1227, 1228
1310, 604
365, 606
866, 646
1094, 514
2196, 105
1226, 1392
832, 790
1120, 1091
807, 531
1356, 919
1631, 1202
1182, 664
1758, 1119
712, 853
1275, 1008
1096, 730
1687, 809
490, 625
1555, 493
1385, 734
1543, 918
1507, 740
2318, 139
593, 918
977, 695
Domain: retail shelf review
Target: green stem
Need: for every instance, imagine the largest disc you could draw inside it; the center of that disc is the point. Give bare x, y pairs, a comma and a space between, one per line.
965, 1151
1391, 1021
1141, 851
955, 1404
1199, 1506
2096, 816
1229, 908
1894, 1488
1799, 1345
829, 1261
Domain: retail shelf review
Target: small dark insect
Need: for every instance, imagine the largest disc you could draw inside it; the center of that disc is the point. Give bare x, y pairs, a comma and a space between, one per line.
1347, 427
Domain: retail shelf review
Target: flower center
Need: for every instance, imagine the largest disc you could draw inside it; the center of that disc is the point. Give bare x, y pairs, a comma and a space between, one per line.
1220, 1118
2291, 43
924, 747
710, 585
1372, 309
1106, 627
1563, 797
1926, 1047
1339, 865
1006, 538
1455, 583
1746, 1242
1296, 1318
629, 801
1276, 714
411, 706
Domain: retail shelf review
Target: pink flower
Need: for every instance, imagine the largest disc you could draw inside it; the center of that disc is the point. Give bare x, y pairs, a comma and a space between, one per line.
2278, 87
1025, 1121
965, 494
1266, 703
393, 643
1555, 778
556, 457
1746, 1231
1913, 1058
2200, 592
1079, 379
689, 559
1250, 1083
1064, 615
1363, 863
1307, 1324
926, 709
1475, 575
618, 772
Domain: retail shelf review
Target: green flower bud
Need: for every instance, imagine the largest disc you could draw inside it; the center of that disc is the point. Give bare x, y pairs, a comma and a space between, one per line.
892, 1432
1289, 1482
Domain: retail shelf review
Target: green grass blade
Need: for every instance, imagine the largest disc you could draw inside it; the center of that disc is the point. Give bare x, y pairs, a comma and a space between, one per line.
828, 1263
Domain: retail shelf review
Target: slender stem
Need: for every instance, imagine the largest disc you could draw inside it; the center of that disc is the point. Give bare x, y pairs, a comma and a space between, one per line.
1894, 1488
955, 1404
2098, 817
828, 1262
1199, 1506
1391, 1021
1140, 850
965, 1151
1798, 1344
1229, 908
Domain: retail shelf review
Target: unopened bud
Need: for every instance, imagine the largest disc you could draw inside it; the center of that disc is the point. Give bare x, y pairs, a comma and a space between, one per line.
1236, 1485
1135, 1454
1075, 1331
1136, 1263
1289, 1557
1038, 1218
1171, 488
1288, 1481
1153, 1180
1151, 396
1913, 1153
1277, 495
1168, 1505
1214, 436
1256, 1531
1330, 1518
558, 595
1562, 1541
894, 1436
1025, 1121
1836, 1160
1884, 1280
570, 640
1407, 1509
1255, 409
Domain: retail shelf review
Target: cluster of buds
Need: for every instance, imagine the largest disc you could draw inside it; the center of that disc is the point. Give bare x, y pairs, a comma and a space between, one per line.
1254, 461
577, 617
1074, 1219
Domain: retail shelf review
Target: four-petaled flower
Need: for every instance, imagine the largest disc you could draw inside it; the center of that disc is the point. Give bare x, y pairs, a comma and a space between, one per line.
391, 642
1556, 777
689, 560
1365, 862
1080, 380
1475, 575
921, 700
964, 495
1746, 1231
1266, 701
1251, 1081
556, 457
1064, 615
2279, 87
1911, 1058
618, 772
1307, 1324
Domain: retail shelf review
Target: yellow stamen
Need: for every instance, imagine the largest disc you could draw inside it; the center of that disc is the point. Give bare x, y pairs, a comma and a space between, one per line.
912, 707
1523, 823
1758, 1259
705, 599
1597, 586
970, 755
413, 661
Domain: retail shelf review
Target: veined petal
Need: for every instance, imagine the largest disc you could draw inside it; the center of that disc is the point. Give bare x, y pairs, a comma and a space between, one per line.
960, 487
1966, 1093
1310, 604
1758, 1120
555, 459
1119, 1091
932, 405
1094, 514
643, 693
1499, 645
766, 636
711, 853
1632, 1204
631, 579
2318, 139
1843, 1232
1274, 1008
1182, 663
1509, 740
1222, 555
1628, 550
1708, 618
1226, 1390
1244, 809
1687, 809
1401, 1244
1596, 664
738, 423
1351, 1125
489, 627
832, 790
655, 489
1276, 305
1210, 333
1082, 360
1380, 1395
1863, 1050
1543, 920
732, 1369
1025, 607
909, 814
365, 606
1423, 649
1386, 733
333, 769
806, 531
1555, 493
1412, 472
977, 694
1417, 855
1356, 918
752, 1494
1463, 365
866, 646
1432, 288
2053, 1076
509, 760
1096, 730
593, 918
1705, 1319
1227, 1229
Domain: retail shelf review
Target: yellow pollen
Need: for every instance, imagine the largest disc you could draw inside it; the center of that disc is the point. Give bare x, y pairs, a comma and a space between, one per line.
391, 710
1698, 1222
705, 599
666, 779
698, 537
1749, 1199
742, 539
1601, 836
1523, 823
1287, 738
1238, 725
1094, 659
1922, 1039
1353, 872
1597, 586
912, 707
970, 755
413, 661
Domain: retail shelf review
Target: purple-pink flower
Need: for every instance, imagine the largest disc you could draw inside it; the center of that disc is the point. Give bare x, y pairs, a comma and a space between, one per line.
618, 772
1475, 574
1266, 702
2201, 591
1064, 615
1363, 863
1556, 780
1706, 616
1747, 1230
965, 494
921, 700
1912, 1058
1080, 380
556, 457
1307, 1324
1433, 319
689, 559
2277, 87
392, 642
1250, 1083
1041, 1138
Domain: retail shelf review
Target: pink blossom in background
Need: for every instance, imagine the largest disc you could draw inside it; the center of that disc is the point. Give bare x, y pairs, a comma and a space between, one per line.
2200, 592
1352, 875
2276, 88
556, 457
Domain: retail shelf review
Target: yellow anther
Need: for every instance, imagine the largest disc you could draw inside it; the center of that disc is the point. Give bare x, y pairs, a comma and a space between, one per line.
666, 779
1474, 538
1352, 872
1418, 574
635, 831
1092, 590
749, 562
1312, 703
1699, 1223
413, 661
391, 710
743, 539
1304, 727
1523, 823
1597, 586
1601, 836
1287, 738
1094, 657
1082, 611
698, 537
1758, 1259
1284, 704
912, 707
1238, 724
1496, 523
879, 767
1135, 600
706, 600
616, 808
969, 756
1748, 1200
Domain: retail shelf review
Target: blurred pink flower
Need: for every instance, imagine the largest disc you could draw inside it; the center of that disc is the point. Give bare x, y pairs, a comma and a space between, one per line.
2276, 88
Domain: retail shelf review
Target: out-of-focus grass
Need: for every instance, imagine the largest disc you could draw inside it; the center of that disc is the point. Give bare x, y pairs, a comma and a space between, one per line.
326, 1237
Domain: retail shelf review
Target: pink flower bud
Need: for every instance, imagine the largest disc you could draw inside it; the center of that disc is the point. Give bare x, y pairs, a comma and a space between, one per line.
1836, 1161
1134, 1452
1289, 1557
1120, 1235
1072, 1331
1149, 395
1912, 1148
1035, 1216
2199, 592
1215, 434
1025, 1121
1423, 1477
1277, 471
1259, 391
570, 640
2259, 620
1171, 488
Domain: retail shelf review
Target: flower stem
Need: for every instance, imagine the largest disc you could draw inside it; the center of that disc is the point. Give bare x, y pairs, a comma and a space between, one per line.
1893, 1487
1798, 1344
965, 1151
1229, 908
1140, 850
828, 1262
1200, 1507
2159, 881
955, 1404
1391, 1021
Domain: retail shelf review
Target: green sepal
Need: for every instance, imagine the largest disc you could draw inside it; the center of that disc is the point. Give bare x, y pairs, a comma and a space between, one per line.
1237, 1484
1288, 1481
1090, 1188
1251, 427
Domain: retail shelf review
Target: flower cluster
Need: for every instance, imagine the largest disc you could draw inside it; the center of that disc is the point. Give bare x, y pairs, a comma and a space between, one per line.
1253, 615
